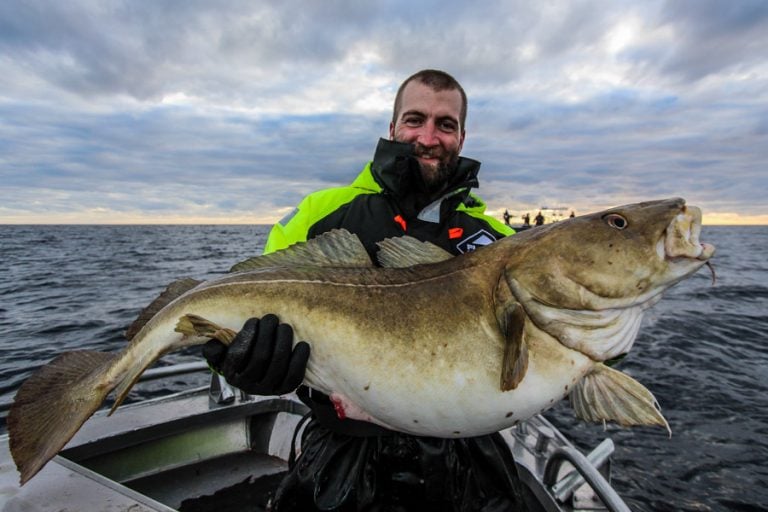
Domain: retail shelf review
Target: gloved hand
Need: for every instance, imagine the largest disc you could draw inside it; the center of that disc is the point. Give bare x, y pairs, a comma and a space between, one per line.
260, 360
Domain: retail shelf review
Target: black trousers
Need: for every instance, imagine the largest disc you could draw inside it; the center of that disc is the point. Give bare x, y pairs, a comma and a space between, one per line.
399, 472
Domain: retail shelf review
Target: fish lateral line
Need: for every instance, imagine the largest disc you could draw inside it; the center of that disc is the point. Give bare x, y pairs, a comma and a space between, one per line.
404, 284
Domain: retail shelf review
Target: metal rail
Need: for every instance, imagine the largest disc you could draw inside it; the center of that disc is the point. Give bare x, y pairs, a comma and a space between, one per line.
586, 470
160, 372
565, 488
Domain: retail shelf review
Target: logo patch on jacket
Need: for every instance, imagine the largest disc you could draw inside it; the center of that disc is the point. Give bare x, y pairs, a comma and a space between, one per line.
472, 242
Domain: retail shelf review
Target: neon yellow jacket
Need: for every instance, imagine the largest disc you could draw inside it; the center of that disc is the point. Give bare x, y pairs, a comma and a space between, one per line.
385, 201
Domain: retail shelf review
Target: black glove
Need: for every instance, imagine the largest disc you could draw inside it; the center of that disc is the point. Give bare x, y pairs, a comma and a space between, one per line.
260, 360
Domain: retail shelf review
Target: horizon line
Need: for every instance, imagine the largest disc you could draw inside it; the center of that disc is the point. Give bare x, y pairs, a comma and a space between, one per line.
251, 224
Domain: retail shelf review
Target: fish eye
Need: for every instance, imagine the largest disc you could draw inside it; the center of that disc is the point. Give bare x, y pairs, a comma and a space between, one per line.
616, 221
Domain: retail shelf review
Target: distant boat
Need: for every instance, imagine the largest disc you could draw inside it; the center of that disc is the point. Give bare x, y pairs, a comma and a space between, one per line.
549, 214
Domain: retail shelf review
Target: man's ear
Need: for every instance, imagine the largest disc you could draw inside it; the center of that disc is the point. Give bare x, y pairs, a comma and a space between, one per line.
391, 131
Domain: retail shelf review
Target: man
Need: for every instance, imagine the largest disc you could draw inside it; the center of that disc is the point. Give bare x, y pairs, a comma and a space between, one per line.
417, 184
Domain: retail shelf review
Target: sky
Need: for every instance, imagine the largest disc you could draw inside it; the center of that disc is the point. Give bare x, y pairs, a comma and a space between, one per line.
192, 111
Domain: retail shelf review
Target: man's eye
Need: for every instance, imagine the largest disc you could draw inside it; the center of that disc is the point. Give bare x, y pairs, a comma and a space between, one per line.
412, 121
448, 126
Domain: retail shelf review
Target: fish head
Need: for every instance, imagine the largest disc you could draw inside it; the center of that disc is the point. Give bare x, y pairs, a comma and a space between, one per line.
587, 280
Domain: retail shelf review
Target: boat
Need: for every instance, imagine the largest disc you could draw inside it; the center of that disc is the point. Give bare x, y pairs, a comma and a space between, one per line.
549, 214
520, 227
180, 451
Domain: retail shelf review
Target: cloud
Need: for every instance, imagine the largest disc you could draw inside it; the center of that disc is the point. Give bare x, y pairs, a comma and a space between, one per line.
237, 110
712, 37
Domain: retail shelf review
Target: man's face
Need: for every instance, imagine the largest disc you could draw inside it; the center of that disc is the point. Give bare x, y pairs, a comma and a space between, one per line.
430, 120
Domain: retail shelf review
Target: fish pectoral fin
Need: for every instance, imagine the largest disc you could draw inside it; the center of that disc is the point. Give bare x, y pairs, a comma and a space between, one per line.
406, 251
335, 248
53, 404
515, 363
171, 292
605, 394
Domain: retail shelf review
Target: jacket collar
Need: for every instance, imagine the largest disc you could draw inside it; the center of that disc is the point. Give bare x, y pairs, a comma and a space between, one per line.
397, 171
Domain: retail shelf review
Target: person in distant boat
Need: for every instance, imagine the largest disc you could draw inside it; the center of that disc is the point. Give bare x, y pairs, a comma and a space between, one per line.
573, 214
507, 216
539, 219
526, 219
416, 185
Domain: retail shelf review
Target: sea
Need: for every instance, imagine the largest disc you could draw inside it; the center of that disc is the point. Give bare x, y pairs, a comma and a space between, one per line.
703, 350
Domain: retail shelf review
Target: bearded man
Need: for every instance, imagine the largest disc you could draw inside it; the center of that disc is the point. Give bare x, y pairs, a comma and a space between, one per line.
416, 185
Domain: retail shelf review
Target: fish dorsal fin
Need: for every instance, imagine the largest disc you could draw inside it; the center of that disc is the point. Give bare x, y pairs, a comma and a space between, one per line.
605, 394
514, 365
171, 292
406, 251
335, 248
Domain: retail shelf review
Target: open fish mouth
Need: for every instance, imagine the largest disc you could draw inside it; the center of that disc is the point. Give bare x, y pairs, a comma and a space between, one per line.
681, 238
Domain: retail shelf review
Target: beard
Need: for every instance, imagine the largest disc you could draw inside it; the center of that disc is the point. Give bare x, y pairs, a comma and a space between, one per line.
436, 176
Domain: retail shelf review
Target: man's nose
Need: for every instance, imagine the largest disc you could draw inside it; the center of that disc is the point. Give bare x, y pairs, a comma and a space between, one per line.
428, 135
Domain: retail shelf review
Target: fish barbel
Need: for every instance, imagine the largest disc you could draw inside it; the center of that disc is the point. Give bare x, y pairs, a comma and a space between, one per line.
426, 344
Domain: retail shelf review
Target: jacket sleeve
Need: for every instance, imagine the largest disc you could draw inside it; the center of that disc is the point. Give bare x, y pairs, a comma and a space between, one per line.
290, 229
295, 226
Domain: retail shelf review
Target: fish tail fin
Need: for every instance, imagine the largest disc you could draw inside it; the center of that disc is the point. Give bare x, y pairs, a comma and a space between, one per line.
608, 394
53, 404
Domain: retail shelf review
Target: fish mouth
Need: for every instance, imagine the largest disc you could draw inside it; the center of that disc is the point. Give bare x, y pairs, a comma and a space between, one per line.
681, 238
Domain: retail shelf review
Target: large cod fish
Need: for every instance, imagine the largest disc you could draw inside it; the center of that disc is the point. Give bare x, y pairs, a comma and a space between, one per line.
427, 344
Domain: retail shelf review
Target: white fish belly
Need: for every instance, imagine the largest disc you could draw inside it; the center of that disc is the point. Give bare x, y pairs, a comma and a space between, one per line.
451, 398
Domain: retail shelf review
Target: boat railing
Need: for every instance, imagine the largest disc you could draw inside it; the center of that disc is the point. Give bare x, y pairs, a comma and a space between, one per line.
160, 372
561, 477
585, 471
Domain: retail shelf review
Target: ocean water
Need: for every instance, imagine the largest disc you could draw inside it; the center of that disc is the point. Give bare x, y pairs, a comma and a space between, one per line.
703, 350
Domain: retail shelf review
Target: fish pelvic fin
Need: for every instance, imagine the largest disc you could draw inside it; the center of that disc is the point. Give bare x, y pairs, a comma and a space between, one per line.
335, 248
52, 405
515, 362
406, 251
605, 394
193, 325
171, 293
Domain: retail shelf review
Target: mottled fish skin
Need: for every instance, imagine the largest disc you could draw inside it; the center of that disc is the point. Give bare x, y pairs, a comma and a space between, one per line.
461, 347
